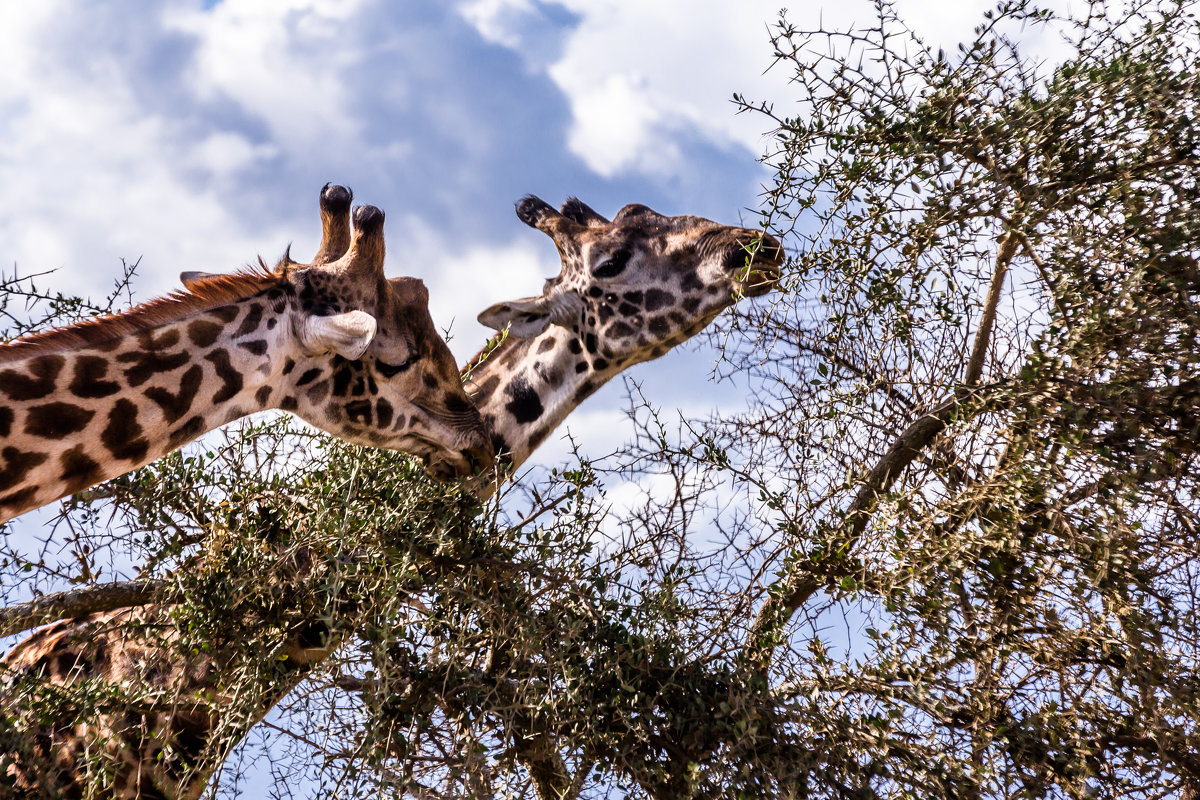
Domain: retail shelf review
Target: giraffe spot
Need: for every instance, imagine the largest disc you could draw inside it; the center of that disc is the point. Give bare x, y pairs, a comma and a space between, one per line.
633, 297
657, 298
383, 412
691, 282
342, 375
262, 395
584, 391
309, 376
600, 364
360, 387
679, 318
251, 322
88, 381
605, 313
186, 432
288, 366
18, 498
162, 340
79, 469
289, 403
595, 291
271, 324
659, 326
231, 379
123, 434
257, 347
430, 381
6, 420
175, 404
148, 363
17, 464
691, 304
574, 346
581, 367
589, 342
628, 310
620, 330
226, 314
524, 404
359, 411
203, 332
56, 420
44, 371
318, 392
547, 344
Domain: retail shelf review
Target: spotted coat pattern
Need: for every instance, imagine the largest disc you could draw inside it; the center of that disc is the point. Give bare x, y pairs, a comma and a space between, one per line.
335, 342
633, 287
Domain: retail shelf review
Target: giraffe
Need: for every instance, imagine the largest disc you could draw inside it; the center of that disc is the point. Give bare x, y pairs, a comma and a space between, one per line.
334, 342
627, 292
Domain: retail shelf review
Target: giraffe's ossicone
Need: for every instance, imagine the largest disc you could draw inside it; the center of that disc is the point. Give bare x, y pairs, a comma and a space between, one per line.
335, 342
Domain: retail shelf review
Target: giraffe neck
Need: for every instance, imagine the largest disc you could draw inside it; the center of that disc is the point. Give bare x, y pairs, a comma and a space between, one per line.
525, 388
94, 401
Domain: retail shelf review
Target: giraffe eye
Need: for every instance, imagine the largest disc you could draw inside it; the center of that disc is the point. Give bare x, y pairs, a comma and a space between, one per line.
613, 266
391, 370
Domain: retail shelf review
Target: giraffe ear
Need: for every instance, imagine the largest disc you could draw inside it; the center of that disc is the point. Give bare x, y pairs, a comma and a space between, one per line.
190, 279
347, 334
530, 316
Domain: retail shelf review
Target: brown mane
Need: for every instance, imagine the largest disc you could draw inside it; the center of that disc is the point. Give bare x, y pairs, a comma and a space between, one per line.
204, 294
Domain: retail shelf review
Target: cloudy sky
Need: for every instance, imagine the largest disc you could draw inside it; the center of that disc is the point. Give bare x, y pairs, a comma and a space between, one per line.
193, 134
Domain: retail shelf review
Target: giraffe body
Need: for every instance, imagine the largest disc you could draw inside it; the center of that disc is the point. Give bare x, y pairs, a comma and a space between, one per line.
335, 342
629, 290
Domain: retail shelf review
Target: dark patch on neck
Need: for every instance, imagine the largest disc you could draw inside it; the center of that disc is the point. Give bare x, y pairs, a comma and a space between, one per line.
123, 435
19, 386
186, 432
79, 469
231, 378
57, 420
203, 332
252, 321
524, 405
17, 464
257, 347
88, 380
175, 405
148, 363
6, 420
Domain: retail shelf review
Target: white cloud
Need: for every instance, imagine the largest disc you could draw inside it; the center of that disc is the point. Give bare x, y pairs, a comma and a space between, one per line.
281, 62
641, 78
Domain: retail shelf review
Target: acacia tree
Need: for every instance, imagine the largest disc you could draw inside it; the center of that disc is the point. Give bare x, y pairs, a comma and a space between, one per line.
949, 549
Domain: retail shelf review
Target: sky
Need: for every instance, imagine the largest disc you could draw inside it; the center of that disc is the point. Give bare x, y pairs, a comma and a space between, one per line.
195, 135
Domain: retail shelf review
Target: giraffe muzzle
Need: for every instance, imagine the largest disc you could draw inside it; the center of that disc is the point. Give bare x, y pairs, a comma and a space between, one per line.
756, 260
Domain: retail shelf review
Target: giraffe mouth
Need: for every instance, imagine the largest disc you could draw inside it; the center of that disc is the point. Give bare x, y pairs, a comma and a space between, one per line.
757, 264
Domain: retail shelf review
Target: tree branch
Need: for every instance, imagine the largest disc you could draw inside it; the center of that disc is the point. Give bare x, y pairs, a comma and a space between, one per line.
77, 603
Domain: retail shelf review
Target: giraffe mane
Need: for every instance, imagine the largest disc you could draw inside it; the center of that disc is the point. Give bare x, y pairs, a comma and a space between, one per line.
203, 294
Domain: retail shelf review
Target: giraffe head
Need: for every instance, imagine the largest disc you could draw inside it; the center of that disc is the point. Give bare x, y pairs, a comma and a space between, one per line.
633, 288
365, 361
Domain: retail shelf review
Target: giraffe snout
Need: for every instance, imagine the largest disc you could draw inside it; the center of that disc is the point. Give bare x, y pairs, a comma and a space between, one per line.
755, 259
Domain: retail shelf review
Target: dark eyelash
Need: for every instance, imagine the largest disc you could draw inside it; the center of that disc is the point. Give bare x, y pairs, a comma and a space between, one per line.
390, 370
613, 266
